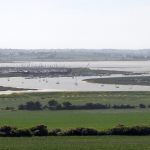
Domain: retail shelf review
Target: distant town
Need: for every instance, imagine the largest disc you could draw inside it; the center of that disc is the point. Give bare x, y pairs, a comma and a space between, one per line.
10, 55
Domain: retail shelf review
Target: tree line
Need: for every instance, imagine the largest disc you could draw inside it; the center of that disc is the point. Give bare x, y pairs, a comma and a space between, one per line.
54, 105
42, 130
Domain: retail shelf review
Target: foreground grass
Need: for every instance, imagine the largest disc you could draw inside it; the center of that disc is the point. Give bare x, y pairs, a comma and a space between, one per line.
76, 143
98, 119
132, 98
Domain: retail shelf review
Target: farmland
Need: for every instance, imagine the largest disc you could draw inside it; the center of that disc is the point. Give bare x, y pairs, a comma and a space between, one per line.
67, 119
133, 98
76, 143
64, 119
98, 119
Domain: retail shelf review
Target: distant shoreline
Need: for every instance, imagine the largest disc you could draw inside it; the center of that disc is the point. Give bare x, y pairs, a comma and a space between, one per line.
10, 55
137, 80
2, 88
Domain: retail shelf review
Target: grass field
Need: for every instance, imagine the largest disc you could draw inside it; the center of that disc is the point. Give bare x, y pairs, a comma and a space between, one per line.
99, 119
133, 98
76, 143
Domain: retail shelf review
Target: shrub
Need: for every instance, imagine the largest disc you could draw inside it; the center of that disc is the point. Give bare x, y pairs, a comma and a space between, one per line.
30, 106
55, 132
40, 130
21, 107
81, 132
67, 104
9, 108
119, 130
54, 105
88, 131
23, 133
123, 106
136, 130
7, 131
139, 130
142, 106
100, 133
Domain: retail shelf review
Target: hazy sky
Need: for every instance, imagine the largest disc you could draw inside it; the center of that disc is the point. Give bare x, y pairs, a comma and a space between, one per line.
75, 24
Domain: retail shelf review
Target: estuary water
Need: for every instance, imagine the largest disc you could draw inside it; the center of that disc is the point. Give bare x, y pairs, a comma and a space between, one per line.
65, 84
76, 83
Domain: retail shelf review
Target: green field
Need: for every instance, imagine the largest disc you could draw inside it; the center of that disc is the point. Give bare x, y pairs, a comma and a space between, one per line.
76, 143
133, 98
66, 119
98, 119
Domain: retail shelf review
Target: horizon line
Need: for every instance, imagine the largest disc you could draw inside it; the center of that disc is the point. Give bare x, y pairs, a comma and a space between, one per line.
74, 49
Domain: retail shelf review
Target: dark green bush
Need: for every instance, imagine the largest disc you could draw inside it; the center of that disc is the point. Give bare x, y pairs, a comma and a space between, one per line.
23, 133
81, 132
31, 106
8, 131
139, 130
142, 106
40, 130
118, 131
55, 132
